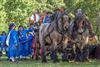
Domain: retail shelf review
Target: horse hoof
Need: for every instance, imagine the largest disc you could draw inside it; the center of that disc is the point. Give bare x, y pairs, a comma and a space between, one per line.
56, 61
77, 62
71, 61
90, 61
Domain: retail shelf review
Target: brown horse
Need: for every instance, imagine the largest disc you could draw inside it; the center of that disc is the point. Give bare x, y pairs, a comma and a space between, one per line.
58, 36
81, 40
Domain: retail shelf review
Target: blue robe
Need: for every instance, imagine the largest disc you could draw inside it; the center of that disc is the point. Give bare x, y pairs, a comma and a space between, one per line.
30, 44
18, 47
3, 42
30, 29
47, 19
0, 46
23, 44
0, 42
13, 42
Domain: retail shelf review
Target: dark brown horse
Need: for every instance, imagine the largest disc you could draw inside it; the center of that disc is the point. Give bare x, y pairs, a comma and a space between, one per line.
81, 40
58, 36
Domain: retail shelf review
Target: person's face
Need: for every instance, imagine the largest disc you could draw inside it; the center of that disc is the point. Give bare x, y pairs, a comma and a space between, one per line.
3, 33
14, 27
49, 15
21, 28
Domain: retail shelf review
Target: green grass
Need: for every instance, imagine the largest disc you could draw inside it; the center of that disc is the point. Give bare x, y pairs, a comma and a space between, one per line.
33, 63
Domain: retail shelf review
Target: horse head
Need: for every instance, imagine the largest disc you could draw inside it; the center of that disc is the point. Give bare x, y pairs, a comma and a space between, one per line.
80, 23
64, 23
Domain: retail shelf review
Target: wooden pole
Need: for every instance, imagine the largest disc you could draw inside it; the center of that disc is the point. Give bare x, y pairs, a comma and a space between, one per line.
98, 24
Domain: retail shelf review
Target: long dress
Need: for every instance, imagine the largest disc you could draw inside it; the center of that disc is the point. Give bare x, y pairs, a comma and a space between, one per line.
23, 44
3, 42
30, 42
13, 42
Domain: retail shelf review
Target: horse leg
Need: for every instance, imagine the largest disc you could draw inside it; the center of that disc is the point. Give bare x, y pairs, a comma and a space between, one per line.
43, 51
65, 51
44, 54
85, 53
65, 56
78, 54
51, 54
73, 51
85, 49
55, 59
54, 52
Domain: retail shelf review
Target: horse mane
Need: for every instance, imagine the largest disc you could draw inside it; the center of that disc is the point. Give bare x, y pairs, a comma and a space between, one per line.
56, 19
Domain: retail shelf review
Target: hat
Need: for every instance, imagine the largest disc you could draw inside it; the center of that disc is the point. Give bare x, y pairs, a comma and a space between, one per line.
11, 25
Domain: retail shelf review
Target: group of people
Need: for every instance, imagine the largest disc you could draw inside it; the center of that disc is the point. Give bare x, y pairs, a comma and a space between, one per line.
19, 43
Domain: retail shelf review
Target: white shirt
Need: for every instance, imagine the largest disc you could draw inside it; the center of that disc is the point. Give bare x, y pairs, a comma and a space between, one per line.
37, 17
32, 17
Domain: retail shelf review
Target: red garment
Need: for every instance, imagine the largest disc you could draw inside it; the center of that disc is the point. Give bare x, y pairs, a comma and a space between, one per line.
34, 46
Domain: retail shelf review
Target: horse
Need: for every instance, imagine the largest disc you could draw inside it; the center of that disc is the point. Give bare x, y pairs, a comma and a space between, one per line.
81, 40
58, 36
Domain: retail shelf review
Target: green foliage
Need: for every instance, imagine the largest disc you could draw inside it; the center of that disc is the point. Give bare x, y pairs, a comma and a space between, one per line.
18, 10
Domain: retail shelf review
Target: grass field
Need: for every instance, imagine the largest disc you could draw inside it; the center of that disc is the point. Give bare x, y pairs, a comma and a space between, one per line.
32, 63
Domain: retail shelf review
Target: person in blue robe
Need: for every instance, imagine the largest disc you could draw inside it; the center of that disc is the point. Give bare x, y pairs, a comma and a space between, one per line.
30, 43
30, 35
3, 40
23, 48
47, 18
12, 42
18, 47
0, 47
31, 28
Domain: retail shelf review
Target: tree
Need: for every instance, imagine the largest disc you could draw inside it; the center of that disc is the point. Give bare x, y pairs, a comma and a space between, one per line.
18, 10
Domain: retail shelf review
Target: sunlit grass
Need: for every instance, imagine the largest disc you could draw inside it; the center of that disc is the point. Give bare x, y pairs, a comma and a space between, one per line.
34, 63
